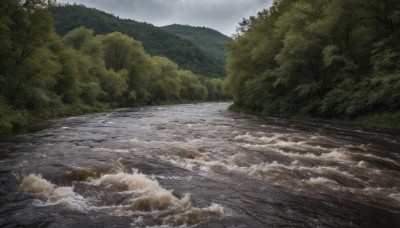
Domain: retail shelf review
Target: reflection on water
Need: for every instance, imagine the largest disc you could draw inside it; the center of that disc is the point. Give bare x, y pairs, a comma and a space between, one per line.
198, 165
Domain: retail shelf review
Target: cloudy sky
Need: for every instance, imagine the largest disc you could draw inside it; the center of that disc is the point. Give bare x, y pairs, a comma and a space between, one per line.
222, 15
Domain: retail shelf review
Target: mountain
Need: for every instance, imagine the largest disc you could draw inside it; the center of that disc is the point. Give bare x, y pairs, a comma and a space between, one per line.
209, 39
156, 41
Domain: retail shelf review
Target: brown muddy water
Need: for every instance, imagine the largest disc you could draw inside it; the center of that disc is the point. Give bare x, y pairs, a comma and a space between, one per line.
198, 165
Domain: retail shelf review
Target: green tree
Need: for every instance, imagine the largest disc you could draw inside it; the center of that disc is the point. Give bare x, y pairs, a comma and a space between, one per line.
167, 84
216, 89
124, 53
28, 64
191, 87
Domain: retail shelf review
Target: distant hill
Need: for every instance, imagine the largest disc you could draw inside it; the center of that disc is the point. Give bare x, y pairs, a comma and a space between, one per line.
156, 41
209, 39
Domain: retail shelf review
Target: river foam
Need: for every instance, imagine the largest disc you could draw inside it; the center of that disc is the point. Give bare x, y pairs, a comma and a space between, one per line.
298, 162
120, 194
49, 194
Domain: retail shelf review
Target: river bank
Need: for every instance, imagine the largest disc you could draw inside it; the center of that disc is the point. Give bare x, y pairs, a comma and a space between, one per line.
376, 122
18, 121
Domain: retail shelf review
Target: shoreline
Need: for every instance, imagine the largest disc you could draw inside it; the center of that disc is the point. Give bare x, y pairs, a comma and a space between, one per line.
31, 119
362, 122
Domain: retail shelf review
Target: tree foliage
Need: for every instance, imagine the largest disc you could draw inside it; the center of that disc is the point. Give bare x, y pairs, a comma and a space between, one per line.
329, 59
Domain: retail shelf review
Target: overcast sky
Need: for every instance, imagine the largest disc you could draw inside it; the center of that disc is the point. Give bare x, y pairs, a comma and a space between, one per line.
221, 15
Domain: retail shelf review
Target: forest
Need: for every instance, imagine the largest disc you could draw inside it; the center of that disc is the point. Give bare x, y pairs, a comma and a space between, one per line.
43, 75
156, 41
324, 59
209, 39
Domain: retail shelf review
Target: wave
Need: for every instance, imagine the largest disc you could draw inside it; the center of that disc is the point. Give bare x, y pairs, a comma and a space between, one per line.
120, 194
53, 195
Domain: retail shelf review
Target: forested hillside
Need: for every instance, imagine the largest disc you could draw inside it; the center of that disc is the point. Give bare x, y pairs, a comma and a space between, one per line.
210, 40
330, 59
155, 40
43, 75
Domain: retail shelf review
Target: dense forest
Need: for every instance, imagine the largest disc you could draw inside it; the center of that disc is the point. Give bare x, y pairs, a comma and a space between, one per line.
43, 75
209, 39
155, 40
330, 59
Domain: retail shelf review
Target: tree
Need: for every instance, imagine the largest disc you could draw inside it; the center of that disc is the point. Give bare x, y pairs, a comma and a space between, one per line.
191, 87
167, 84
28, 64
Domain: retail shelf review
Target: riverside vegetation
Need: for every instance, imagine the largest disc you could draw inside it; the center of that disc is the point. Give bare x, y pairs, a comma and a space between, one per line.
330, 59
43, 75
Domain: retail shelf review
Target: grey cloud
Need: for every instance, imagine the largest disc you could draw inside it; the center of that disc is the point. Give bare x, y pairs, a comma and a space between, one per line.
222, 15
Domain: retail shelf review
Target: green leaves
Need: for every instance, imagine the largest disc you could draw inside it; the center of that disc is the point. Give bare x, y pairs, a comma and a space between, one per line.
333, 59
191, 87
78, 38
120, 50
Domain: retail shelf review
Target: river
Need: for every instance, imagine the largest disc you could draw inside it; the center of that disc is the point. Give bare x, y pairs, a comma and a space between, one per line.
198, 165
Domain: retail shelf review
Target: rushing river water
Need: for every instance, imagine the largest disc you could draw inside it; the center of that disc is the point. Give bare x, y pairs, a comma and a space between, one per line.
198, 165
